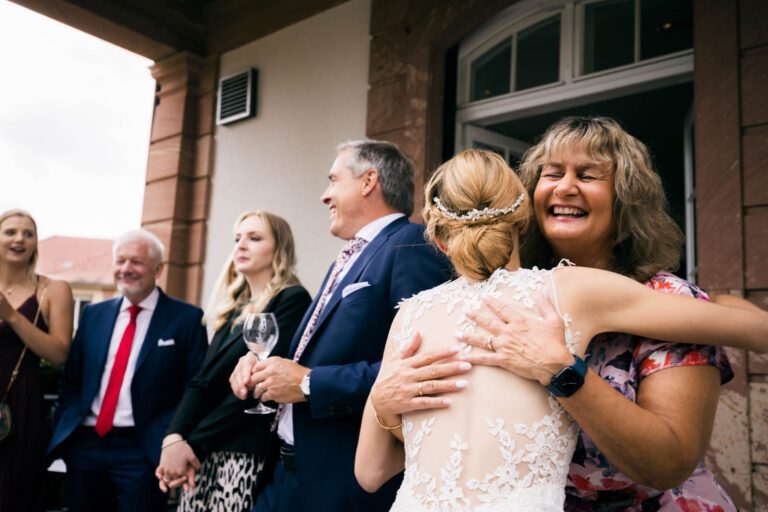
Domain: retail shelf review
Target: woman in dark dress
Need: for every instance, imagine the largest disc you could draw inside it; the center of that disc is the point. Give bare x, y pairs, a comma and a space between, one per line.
45, 335
210, 424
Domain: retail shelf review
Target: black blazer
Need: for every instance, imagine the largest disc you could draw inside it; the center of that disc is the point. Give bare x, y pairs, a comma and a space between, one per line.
209, 416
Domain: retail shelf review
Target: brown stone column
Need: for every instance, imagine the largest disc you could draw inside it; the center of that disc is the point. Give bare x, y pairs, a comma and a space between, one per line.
732, 219
178, 182
408, 45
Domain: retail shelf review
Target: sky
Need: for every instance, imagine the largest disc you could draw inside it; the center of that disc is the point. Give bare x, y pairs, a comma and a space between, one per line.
75, 118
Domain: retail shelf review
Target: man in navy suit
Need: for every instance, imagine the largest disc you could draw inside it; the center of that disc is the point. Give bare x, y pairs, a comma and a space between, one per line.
130, 360
335, 355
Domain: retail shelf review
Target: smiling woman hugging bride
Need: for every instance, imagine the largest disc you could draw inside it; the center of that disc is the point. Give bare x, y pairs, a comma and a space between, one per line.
506, 443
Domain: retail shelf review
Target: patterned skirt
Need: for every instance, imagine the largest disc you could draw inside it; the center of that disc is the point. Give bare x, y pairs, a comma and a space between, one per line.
224, 483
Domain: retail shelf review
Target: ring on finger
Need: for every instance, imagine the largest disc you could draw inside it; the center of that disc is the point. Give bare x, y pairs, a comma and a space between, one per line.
490, 343
421, 388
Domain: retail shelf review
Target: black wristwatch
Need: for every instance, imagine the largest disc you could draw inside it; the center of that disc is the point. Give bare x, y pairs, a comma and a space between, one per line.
568, 380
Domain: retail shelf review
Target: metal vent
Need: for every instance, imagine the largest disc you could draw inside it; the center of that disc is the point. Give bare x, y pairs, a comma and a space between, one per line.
237, 97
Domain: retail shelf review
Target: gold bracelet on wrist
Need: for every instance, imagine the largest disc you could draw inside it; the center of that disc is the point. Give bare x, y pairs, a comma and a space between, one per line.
385, 426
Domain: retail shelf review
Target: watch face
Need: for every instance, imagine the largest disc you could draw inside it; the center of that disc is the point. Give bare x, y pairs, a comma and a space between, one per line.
568, 381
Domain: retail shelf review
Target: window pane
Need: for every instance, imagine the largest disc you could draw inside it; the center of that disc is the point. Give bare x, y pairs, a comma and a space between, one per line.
666, 26
491, 71
609, 35
538, 54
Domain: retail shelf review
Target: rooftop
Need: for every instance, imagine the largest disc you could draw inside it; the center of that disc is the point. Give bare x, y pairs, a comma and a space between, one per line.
84, 261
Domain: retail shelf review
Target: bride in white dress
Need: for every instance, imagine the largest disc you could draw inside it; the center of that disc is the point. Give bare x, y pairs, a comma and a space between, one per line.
505, 443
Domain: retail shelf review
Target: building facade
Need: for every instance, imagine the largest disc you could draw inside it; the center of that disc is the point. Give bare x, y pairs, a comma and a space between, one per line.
687, 77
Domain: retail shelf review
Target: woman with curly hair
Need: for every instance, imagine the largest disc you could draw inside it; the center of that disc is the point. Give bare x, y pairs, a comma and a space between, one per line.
505, 442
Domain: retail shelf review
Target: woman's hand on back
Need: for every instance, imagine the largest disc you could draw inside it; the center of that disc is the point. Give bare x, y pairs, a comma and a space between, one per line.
528, 343
412, 380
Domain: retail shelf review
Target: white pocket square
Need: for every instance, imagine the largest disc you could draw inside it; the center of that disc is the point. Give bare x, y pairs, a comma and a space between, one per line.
165, 343
352, 288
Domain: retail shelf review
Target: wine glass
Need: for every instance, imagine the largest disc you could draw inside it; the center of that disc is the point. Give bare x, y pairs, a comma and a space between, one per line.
260, 333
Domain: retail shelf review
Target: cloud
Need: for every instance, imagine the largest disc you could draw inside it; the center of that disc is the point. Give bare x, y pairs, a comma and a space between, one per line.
75, 118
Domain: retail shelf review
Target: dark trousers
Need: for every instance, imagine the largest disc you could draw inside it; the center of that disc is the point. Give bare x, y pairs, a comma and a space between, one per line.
281, 494
110, 473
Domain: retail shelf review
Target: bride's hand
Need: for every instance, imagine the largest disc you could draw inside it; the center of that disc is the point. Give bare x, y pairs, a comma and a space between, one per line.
528, 343
413, 379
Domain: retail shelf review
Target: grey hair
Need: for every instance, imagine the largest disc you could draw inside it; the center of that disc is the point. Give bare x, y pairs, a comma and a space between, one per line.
394, 167
156, 247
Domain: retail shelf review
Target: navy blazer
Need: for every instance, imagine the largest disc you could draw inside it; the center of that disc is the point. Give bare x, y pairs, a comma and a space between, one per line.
344, 354
162, 372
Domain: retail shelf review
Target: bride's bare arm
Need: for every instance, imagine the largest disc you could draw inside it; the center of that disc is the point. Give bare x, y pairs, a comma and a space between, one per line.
380, 453
403, 374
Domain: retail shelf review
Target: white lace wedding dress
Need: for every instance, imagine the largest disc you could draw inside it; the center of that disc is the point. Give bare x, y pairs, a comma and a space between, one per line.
504, 444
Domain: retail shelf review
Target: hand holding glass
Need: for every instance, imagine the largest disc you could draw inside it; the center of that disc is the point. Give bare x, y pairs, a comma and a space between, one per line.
260, 333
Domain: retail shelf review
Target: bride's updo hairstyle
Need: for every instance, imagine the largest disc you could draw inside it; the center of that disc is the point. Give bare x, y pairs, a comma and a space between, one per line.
476, 208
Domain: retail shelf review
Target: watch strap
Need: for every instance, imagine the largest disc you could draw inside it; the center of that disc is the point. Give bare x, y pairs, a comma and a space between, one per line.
557, 385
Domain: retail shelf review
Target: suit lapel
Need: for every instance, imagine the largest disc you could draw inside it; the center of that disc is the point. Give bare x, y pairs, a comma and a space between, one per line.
160, 317
369, 252
304, 321
220, 344
98, 346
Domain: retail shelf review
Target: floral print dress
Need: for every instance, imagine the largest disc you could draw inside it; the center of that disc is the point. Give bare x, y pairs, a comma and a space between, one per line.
624, 360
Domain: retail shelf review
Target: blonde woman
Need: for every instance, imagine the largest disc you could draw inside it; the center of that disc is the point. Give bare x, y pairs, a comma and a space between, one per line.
505, 442
210, 425
26, 336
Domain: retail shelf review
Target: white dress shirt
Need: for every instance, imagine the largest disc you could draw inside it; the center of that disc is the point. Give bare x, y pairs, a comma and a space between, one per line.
124, 411
368, 233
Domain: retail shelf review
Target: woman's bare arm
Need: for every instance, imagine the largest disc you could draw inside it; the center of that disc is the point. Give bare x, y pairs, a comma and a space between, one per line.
623, 305
675, 407
56, 308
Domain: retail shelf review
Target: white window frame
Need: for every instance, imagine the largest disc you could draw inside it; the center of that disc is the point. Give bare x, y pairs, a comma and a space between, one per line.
510, 147
509, 31
78, 300
572, 89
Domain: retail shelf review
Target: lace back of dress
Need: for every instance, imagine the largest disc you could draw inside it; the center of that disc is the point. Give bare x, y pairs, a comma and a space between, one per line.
504, 444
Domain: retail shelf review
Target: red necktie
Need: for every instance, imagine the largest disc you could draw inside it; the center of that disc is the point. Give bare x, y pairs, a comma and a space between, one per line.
109, 404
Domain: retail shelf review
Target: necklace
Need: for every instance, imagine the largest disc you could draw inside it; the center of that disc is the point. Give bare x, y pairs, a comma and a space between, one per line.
9, 291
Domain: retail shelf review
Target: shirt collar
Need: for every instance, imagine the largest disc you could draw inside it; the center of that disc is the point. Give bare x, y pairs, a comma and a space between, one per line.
372, 229
149, 304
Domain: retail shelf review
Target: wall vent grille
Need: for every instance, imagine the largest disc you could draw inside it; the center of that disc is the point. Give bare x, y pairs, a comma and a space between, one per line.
237, 97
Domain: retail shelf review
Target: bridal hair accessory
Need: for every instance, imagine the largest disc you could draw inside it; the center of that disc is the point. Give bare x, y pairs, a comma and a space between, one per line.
476, 214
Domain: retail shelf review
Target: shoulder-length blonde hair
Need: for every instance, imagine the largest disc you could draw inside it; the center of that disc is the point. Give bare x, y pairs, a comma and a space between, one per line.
32, 267
231, 292
645, 238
